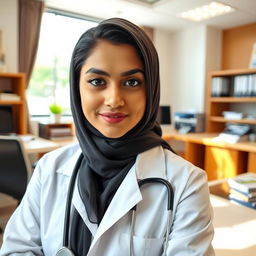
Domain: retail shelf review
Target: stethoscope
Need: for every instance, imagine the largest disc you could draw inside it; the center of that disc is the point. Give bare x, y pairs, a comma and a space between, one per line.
65, 251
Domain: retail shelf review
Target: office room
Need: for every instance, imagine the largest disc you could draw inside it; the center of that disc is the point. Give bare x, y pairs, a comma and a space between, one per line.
206, 96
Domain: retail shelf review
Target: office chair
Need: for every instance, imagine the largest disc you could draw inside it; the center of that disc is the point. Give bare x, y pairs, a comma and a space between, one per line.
15, 169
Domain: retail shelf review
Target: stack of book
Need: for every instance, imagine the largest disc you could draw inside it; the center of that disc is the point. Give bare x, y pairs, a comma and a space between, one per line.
243, 189
60, 132
234, 133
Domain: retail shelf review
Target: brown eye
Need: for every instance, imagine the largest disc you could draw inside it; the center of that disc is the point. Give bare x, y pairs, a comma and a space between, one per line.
97, 82
132, 82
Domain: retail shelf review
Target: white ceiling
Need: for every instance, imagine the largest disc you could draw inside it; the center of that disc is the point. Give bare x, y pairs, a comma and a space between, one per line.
161, 15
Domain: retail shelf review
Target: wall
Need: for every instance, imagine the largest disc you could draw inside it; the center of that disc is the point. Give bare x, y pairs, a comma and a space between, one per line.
185, 58
237, 46
213, 53
9, 25
162, 44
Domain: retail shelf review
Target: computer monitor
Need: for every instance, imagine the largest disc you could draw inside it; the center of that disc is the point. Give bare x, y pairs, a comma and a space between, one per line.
164, 115
7, 123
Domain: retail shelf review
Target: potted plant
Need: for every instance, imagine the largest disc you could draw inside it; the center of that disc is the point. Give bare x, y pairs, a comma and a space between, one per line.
56, 111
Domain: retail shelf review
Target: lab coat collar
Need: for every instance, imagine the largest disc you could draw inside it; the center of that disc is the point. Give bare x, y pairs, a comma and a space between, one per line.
151, 163
146, 164
68, 167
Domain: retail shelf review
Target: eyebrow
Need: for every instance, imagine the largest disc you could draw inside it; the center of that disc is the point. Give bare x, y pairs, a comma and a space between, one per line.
104, 73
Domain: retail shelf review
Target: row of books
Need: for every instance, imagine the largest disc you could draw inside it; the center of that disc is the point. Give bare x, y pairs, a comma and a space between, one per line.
238, 86
245, 85
243, 189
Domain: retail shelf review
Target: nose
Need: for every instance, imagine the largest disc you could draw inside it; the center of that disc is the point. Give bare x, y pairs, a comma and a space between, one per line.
114, 97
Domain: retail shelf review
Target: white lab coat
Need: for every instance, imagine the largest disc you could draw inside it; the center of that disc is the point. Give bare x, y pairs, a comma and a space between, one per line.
36, 227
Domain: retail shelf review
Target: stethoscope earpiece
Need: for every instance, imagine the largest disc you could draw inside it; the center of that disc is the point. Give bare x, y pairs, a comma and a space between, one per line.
64, 251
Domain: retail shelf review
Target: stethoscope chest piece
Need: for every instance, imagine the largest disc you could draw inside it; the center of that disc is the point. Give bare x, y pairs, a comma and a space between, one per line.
64, 251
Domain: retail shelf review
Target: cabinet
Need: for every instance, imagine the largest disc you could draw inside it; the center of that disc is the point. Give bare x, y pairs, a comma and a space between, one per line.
13, 84
231, 101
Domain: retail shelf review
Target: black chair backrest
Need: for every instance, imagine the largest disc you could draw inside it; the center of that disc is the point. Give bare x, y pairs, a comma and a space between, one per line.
14, 167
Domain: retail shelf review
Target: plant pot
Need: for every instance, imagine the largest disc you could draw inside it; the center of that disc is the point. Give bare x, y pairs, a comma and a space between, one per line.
56, 118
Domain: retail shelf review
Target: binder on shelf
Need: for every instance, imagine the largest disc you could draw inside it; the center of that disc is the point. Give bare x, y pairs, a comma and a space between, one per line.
220, 86
244, 85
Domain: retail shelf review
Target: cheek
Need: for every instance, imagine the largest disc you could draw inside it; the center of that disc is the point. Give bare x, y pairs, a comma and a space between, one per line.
138, 103
88, 102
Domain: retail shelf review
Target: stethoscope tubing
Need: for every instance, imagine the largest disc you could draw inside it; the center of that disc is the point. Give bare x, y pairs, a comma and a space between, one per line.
64, 250
170, 199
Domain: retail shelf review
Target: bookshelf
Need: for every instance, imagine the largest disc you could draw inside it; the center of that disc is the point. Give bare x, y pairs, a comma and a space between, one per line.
12, 90
230, 90
240, 90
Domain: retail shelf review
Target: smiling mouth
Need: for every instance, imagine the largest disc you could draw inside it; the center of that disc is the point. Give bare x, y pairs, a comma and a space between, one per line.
113, 117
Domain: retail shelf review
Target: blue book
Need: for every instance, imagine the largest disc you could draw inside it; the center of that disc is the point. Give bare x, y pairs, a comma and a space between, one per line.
248, 204
248, 195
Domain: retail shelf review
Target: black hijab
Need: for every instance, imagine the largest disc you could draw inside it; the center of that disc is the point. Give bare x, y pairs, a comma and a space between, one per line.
106, 161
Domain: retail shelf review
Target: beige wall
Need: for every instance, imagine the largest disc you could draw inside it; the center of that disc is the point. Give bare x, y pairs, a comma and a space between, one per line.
185, 58
9, 26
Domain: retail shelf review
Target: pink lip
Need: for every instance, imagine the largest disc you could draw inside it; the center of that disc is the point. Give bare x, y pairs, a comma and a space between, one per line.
112, 117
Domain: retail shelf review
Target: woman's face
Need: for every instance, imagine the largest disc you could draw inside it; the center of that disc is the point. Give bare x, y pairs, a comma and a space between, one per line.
112, 88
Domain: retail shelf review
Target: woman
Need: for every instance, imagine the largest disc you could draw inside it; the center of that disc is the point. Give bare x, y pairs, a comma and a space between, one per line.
114, 80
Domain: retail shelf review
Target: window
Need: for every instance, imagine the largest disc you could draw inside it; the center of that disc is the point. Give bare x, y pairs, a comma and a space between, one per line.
49, 82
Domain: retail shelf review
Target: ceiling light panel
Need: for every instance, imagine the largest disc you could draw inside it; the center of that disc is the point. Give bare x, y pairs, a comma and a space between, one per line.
206, 11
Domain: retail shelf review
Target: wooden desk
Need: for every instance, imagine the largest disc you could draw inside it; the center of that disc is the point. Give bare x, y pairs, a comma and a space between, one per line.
40, 145
220, 160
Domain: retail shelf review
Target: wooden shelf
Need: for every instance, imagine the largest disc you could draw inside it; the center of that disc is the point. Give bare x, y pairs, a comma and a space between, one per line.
8, 102
216, 105
223, 120
223, 160
233, 99
15, 83
232, 72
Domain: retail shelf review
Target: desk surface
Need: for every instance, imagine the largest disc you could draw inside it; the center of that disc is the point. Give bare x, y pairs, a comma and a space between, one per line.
40, 145
208, 140
235, 227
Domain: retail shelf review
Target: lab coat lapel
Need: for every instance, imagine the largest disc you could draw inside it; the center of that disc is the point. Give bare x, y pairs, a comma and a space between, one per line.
127, 196
80, 207
148, 164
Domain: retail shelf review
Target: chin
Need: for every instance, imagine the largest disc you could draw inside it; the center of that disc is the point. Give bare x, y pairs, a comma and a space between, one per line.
113, 135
